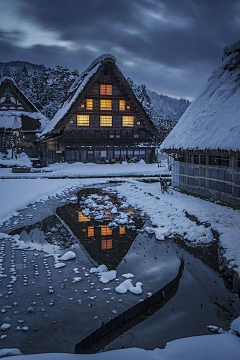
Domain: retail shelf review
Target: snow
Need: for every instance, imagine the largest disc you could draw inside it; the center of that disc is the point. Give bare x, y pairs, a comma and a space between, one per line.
69, 255
207, 347
235, 326
168, 216
100, 268
128, 286
22, 159
76, 89
59, 265
212, 119
107, 276
232, 47
5, 326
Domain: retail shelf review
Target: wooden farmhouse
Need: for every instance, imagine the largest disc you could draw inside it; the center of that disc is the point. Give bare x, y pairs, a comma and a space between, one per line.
19, 118
101, 121
205, 143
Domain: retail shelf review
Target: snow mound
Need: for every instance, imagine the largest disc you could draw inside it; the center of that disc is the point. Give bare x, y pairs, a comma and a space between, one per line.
59, 265
107, 276
101, 268
10, 352
127, 285
69, 255
235, 326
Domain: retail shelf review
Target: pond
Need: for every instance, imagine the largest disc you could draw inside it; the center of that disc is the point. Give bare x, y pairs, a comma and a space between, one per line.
70, 302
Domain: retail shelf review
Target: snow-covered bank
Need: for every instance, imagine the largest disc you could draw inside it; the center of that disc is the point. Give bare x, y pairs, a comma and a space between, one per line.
167, 214
79, 169
207, 347
17, 194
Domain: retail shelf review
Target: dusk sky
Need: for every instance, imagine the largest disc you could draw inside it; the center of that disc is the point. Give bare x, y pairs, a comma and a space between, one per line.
172, 46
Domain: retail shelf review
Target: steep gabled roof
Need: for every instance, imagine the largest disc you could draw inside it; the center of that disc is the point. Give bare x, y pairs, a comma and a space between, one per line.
212, 121
80, 88
23, 108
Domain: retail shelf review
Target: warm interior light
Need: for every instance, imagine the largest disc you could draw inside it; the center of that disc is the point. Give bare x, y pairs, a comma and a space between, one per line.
90, 231
121, 230
82, 218
105, 120
106, 244
105, 104
105, 89
82, 120
105, 230
122, 104
128, 121
89, 104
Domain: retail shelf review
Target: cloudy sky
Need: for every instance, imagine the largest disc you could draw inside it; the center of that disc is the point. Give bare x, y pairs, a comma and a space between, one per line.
172, 46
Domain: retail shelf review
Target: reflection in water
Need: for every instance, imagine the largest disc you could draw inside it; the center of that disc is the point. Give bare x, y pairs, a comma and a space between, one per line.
105, 244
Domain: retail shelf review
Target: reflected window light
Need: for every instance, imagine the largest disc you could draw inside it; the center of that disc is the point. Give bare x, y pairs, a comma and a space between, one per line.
90, 231
105, 230
122, 230
82, 218
106, 244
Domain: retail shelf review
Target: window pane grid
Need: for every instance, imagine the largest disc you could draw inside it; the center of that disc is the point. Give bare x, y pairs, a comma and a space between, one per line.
105, 120
82, 120
105, 89
89, 104
128, 121
122, 105
105, 104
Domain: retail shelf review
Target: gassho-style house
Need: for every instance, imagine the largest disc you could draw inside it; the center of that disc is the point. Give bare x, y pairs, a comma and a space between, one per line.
205, 143
101, 121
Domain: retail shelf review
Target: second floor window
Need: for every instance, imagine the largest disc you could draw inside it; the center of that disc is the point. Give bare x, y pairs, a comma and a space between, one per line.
89, 104
82, 120
105, 120
105, 104
128, 121
105, 89
122, 105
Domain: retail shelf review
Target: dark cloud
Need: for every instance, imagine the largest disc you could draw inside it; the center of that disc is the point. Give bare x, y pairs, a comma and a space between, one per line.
172, 45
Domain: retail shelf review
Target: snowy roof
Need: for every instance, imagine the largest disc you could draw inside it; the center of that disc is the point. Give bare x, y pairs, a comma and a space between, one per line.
232, 47
212, 121
7, 116
76, 89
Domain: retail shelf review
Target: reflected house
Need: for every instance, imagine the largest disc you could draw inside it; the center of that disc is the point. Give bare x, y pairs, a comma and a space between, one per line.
104, 244
101, 121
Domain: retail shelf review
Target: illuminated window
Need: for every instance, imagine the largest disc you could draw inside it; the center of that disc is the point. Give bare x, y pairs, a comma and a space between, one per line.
105, 89
122, 104
105, 120
105, 104
82, 218
128, 121
121, 230
90, 231
89, 104
82, 120
105, 230
106, 244
128, 107
138, 122
82, 105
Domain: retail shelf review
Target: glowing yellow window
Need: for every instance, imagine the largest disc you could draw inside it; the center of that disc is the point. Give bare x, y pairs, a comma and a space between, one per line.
82, 105
105, 104
128, 107
128, 121
105, 120
121, 230
105, 89
105, 230
138, 123
82, 218
106, 244
122, 105
90, 231
82, 120
89, 104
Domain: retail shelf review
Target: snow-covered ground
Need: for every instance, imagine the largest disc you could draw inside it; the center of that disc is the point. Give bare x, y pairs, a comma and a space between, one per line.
167, 213
79, 169
224, 346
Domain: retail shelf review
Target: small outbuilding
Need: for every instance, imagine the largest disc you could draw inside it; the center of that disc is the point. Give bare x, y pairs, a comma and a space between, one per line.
205, 143
20, 121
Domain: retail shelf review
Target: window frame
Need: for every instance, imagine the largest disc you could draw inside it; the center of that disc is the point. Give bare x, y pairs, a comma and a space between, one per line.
87, 120
122, 105
87, 105
106, 104
106, 89
127, 123
102, 124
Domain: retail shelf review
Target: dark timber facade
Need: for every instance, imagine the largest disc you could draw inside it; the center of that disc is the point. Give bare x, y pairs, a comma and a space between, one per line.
104, 122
